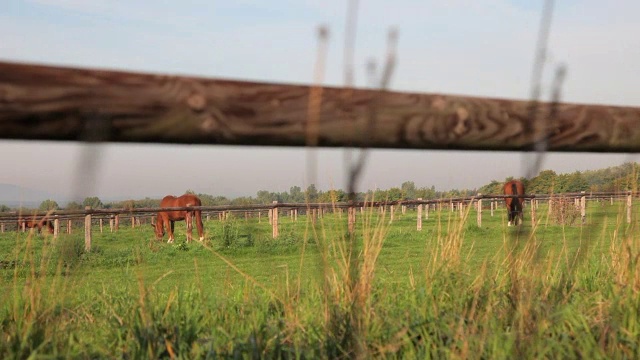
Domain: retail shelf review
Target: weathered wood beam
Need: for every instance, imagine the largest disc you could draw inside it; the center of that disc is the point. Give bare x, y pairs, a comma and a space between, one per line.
56, 103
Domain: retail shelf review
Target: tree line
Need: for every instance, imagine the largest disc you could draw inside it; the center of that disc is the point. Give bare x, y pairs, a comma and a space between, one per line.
618, 178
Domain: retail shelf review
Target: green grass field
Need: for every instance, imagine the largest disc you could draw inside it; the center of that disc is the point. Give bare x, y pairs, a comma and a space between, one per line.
452, 290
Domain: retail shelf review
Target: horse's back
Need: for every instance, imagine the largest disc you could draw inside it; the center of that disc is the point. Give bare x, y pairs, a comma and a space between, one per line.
168, 201
190, 200
184, 200
513, 187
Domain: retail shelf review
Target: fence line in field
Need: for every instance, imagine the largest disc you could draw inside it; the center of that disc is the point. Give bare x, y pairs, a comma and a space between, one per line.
312, 210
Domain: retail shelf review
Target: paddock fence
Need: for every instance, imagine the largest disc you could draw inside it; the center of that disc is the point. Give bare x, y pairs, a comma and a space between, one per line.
134, 217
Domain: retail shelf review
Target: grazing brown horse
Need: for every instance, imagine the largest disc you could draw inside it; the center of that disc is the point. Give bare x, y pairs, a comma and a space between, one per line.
169, 217
34, 223
514, 205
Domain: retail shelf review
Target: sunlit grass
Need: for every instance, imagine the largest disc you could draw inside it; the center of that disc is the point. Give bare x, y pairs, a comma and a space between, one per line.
452, 290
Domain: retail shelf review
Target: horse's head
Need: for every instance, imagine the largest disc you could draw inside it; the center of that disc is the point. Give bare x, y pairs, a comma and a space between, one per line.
159, 230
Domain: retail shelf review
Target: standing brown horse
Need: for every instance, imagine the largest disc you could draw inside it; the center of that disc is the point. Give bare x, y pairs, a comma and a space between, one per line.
34, 223
169, 217
514, 204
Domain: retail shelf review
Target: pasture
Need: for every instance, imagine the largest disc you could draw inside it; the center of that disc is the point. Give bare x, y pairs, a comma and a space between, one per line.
451, 290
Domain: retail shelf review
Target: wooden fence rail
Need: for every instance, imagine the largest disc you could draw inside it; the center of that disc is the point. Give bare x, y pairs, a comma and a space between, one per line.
264, 207
58, 103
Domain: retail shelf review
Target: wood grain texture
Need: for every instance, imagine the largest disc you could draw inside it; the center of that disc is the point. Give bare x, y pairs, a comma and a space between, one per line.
55, 103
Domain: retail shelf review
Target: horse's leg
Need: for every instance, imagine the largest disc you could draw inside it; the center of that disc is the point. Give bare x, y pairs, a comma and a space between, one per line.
520, 213
189, 221
159, 224
198, 215
521, 216
170, 227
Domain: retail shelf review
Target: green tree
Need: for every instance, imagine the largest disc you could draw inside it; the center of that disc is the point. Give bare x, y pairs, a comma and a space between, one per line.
311, 194
243, 200
545, 183
576, 182
332, 196
427, 193
395, 193
296, 194
408, 190
128, 204
73, 206
94, 202
48, 205
265, 197
4, 207
494, 187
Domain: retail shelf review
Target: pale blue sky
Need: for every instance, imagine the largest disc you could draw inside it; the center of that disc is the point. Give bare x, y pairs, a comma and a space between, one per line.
480, 48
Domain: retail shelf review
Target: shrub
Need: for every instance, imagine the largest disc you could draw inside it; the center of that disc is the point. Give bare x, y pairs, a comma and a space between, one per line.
563, 210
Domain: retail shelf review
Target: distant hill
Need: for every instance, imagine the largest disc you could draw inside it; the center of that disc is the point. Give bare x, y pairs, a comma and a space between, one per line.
14, 196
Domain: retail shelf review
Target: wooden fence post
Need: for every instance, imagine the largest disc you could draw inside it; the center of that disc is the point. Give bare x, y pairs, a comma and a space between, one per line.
426, 211
274, 220
117, 222
492, 207
404, 209
533, 213
391, 216
100, 225
270, 216
2, 228
479, 213
87, 230
419, 224
295, 214
629, 207
583, 207
69, 225
56, 227
133, 222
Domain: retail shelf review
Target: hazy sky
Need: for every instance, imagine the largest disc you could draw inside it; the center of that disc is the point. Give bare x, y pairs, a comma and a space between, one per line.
469, 47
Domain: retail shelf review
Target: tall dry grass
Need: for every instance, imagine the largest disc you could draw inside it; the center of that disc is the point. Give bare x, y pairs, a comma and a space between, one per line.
528, 299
